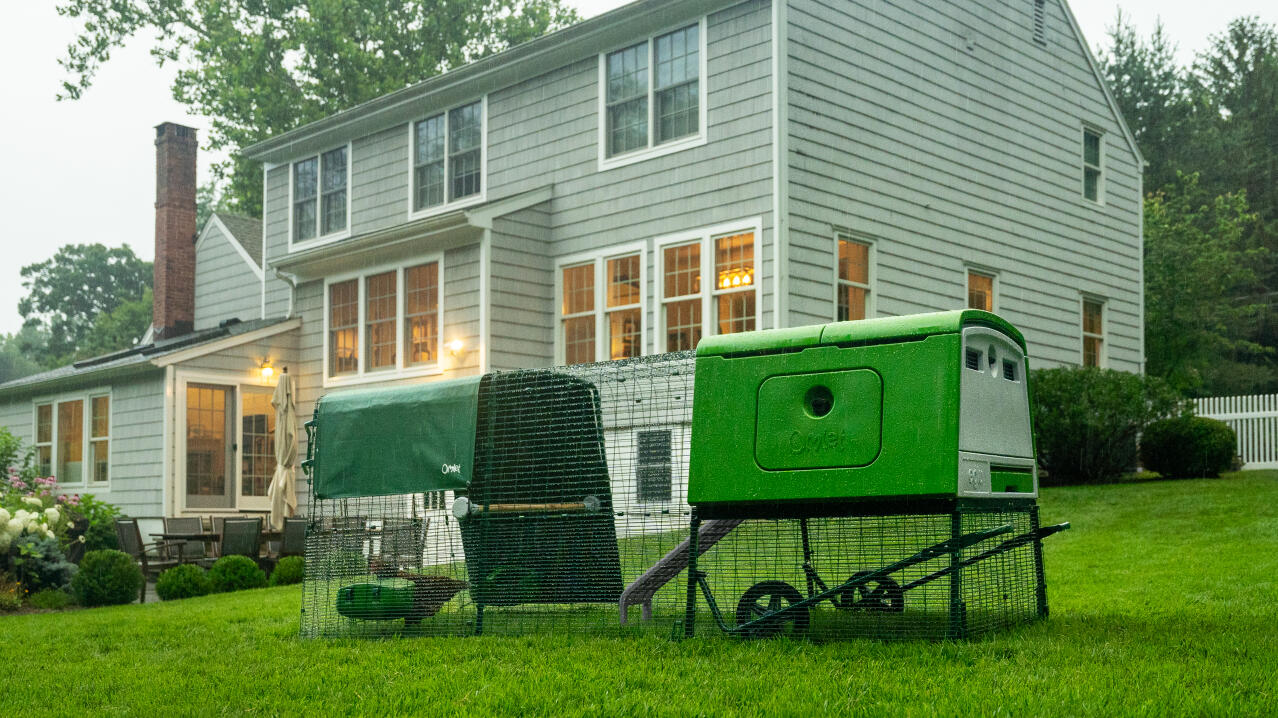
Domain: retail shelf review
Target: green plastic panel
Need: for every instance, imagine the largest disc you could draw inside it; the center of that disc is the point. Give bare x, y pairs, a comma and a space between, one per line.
819, 420
379, 600
1011, 480
400, 440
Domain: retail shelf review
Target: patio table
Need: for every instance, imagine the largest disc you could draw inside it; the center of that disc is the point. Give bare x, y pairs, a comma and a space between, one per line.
180, 538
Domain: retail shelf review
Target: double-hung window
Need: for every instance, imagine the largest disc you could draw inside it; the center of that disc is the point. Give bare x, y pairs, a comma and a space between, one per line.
1093, 172
73, 439
1093, 332
383, 322
853, 280
321, 200
980, 290
448, 157
689, 307
601, 307
653, 95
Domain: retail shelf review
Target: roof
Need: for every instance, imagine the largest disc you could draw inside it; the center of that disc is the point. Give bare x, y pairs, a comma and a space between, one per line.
246, 231
865, 331
608, 30
136, 359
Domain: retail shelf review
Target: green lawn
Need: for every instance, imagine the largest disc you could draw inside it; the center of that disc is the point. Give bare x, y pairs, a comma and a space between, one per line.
1163, 600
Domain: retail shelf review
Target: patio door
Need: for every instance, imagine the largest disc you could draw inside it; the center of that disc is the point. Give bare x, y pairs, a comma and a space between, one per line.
257, 447
210, 447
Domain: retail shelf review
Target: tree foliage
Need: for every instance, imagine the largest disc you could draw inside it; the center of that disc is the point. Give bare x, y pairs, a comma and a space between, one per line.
1200, 277
66, 295
261, 67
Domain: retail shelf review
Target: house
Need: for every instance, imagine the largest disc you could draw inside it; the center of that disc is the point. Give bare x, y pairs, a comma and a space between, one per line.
661, 172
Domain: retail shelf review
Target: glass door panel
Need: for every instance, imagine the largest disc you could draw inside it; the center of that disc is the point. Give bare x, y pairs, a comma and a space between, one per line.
210, 452
257, 448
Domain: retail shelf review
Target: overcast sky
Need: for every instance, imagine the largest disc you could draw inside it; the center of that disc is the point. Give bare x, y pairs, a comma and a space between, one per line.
84, 171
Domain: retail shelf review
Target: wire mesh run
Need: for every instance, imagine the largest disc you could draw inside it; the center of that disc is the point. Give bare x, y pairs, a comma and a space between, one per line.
576, 521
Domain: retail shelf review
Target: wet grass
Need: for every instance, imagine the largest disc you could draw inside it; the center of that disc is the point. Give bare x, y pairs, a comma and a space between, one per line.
1164, 602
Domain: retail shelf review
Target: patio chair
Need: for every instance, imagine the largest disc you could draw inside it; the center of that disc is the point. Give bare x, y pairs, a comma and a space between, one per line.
130, 537
186, 550
241, 537
403, 541
293, 542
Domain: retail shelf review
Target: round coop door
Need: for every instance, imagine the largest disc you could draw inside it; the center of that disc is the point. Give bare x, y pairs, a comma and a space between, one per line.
823, 420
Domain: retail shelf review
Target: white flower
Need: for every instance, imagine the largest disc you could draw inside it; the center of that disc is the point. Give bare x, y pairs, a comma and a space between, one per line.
80, 538
15, 526
32, 500
48, 532
51, 515
4, 515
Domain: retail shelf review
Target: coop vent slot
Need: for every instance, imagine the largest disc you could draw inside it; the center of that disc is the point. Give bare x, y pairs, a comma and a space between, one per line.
653, 466
1040, 22
974, 359
1009, 370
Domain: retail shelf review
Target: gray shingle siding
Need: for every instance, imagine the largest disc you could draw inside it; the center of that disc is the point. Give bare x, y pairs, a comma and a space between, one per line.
948, 156
225, 284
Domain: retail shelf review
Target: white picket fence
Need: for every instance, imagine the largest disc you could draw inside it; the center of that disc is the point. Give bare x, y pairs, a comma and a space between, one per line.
1254, 419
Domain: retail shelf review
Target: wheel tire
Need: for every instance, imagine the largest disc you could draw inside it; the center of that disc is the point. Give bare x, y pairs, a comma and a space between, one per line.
768, 596
882, 594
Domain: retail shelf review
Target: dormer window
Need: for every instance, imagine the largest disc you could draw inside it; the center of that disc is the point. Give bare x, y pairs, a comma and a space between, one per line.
448, 158
321, 202
653, 97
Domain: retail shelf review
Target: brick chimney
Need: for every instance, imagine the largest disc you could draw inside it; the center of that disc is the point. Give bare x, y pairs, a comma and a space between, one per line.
173, 311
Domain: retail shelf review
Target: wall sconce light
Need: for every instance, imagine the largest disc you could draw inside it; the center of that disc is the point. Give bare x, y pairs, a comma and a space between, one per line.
267, 370
454, 347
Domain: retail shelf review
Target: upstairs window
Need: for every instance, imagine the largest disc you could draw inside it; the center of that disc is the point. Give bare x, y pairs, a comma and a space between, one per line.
384, 322
853, 290
448, 157
601, 307
653, 94
320, 197
1093, 154
73, 439
980, 291
1093, 333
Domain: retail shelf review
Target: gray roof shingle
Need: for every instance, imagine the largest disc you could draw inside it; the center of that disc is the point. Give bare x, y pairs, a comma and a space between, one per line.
245, 230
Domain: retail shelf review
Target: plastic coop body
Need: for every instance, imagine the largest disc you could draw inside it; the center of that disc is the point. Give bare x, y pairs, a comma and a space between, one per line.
922, 406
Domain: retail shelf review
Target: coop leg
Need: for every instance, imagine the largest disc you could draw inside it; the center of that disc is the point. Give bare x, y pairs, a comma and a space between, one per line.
958, 612
479, 619
690, 608
1040, 581
807, 556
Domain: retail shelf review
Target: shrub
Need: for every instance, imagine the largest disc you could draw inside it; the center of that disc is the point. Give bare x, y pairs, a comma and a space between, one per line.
50, 599
101, 517
1188, 446
235, 573
106, 578
38, 563
10, 593
289, 570
1086, 420
185, 581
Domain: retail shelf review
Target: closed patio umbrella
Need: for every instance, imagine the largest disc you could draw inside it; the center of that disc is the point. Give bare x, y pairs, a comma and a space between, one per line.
282, 494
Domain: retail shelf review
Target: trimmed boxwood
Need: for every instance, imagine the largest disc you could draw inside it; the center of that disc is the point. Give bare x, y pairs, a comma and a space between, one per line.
107, 578
236, 573
289, 570
185, 581
1188, 446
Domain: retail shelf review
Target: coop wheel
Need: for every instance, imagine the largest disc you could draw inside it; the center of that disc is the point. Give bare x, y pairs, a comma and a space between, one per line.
881, 594
767, 597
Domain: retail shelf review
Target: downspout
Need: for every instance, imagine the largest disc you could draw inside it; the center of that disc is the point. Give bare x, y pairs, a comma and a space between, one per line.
291, 281
780, 164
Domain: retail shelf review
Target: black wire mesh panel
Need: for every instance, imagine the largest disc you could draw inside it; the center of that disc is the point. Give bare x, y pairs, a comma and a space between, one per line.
882, 576
579, 491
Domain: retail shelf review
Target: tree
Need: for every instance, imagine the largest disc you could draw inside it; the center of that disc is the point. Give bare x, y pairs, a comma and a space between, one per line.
14, 363
259, 68
1152, 92
119, 328
68, 292
1198, 273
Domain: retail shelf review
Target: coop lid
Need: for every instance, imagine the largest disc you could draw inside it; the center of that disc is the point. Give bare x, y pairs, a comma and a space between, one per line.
399, 440
865, 331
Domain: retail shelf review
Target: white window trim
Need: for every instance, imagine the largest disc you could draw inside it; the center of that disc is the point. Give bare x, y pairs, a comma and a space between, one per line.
320, 240
706, 236
1083, 166
968, 271
1102, 361
599, 258
400, 371
651, 151
483, 163
235, 380
871, 287
85, 430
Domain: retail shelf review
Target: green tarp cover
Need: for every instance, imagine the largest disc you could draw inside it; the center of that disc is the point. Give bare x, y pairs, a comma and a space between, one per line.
401, 440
